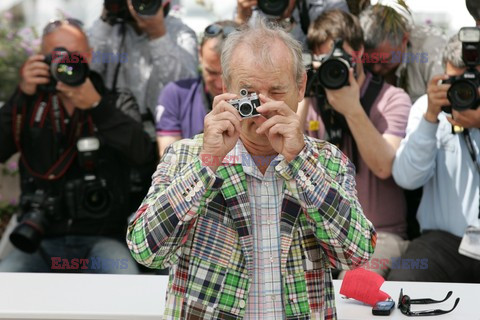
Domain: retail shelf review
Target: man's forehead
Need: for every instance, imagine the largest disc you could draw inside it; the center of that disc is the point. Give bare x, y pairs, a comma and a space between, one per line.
65, 36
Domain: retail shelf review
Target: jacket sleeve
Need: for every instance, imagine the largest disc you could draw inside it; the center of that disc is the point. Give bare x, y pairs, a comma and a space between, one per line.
7, 142
180, 187
414, 162
121, 131
323, 179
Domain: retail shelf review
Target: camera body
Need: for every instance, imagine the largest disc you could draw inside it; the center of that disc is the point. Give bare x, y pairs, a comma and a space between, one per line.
117, 10
332, 71
463, 92
247, 105
334, 68
38, 209
68, 67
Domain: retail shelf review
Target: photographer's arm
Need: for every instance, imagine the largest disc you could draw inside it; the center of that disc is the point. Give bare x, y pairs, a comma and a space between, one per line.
7, 143
121, 131
100, 37
376, 149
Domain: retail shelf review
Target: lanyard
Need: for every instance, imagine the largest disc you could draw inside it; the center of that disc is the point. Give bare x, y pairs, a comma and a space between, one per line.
473, 155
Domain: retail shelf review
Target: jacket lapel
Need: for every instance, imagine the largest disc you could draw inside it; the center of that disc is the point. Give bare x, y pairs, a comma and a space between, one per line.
234, 191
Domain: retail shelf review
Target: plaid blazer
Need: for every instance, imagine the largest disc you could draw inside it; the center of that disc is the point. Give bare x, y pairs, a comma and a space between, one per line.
199, 223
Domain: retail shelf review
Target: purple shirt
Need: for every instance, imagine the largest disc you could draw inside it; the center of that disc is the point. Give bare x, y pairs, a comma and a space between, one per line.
181, 109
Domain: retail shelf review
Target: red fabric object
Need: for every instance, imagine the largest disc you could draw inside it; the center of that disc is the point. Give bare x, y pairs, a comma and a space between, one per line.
363, 285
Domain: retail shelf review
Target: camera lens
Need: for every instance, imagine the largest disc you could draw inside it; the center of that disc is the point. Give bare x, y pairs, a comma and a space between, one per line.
333, 74
273, 7
69, 69
462, 95
96, 199
147, 7
29, 233
245, 109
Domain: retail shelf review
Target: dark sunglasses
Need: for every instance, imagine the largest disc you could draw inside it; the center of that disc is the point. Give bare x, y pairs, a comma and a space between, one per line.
404, 303
214, 30
52, 25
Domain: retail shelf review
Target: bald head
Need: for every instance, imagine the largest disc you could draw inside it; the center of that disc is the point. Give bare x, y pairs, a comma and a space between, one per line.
68, 37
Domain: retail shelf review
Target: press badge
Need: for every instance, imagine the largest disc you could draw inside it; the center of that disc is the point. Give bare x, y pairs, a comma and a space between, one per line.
313, 125
470, 245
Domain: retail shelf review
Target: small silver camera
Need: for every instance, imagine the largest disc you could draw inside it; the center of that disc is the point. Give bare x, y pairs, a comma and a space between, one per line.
247, 105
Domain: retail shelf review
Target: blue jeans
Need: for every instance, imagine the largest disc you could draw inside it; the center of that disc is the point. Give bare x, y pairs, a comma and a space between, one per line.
91, 254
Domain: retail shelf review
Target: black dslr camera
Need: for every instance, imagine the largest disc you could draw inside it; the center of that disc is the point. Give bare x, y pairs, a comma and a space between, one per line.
332, 73
85, 198
38, 209
68, 67
274, 8
88, 197
463, 93
246, 105
117, 10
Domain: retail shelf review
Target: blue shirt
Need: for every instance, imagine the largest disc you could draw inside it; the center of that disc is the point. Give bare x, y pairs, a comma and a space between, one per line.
432, 157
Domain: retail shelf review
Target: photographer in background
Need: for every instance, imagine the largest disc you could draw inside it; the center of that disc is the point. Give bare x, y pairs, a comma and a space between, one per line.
159, 48
413, 52
294, 15
77, 142
446, 163
366, 117
183, 105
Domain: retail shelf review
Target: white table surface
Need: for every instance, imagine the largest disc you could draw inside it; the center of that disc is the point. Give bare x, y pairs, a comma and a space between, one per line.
90, 296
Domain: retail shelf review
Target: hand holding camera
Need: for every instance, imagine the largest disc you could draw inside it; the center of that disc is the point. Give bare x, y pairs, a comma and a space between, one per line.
437, 97
33, 73
221, 130
283, 127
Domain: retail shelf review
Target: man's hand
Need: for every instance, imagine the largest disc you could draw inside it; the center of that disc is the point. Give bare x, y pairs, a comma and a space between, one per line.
346, 100
244, 10
153, 26
221, 131
82, 97
437, 97
467, 119
282, 128
33, 73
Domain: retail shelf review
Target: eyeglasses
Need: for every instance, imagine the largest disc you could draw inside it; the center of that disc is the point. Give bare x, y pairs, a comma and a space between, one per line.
52, 25
404, 303
215, 29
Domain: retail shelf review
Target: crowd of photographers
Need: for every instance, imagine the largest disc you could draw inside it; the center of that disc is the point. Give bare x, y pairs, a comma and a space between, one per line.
397, 98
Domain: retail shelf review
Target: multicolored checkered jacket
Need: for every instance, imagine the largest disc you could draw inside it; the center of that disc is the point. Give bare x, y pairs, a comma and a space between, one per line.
199, 223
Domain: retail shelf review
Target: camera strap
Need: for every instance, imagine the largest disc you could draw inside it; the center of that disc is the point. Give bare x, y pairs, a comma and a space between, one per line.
40, 112
123, 32
473, 155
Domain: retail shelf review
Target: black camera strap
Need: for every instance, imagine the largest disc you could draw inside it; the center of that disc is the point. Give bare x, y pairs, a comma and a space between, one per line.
123, 32
41, 110
473, 155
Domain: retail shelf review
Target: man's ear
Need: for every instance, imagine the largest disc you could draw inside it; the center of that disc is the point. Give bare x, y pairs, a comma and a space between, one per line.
302, 87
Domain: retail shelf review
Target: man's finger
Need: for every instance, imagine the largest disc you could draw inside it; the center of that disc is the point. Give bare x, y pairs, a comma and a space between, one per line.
436, 79
271, 122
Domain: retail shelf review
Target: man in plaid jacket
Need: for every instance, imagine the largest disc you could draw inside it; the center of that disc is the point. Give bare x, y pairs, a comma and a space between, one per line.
252, 215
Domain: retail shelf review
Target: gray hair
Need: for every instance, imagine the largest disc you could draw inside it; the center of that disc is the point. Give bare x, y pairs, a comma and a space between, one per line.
259, 38
453, 53
383, 23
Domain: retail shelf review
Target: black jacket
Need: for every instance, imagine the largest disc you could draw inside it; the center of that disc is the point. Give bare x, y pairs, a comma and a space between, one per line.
123, 144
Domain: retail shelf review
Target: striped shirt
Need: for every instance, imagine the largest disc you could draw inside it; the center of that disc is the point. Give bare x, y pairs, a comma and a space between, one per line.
265, 192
